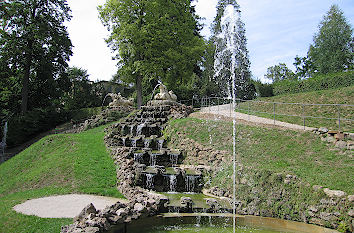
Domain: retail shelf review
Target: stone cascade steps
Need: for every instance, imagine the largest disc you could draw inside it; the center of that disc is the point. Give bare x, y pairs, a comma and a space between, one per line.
158, 168
166, 157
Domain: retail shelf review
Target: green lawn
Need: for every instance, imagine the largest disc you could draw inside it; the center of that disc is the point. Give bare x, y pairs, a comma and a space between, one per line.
300, 153
332, 96
57, 164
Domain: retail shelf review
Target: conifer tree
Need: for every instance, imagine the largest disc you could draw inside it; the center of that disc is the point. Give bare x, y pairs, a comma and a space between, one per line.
245, 90
333, 47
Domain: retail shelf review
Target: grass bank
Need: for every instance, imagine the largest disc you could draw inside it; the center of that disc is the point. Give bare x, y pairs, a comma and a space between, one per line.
57, 164
332, 96
299, 153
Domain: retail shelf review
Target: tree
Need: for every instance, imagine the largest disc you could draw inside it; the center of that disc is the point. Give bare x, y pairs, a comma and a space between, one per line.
34, 41
333, 47
303, 66
245, 89
80, 93
279, 72
154, 39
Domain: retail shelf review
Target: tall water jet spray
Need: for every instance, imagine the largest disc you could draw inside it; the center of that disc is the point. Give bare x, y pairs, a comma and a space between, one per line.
230, 51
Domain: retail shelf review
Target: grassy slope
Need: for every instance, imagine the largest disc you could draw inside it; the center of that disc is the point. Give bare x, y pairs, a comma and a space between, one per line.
332, 96
57, 164
276, 150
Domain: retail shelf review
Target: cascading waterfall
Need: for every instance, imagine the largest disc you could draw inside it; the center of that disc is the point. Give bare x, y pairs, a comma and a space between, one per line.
147, 143
153, 159
230, 36
149, 181
124, 141
190, 183
132, 130
160, 144
174, 159
138, 157
134, 142
173, 183
139, 129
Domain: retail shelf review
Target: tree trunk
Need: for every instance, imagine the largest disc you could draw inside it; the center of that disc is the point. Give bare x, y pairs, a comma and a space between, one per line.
25, 84
139, 90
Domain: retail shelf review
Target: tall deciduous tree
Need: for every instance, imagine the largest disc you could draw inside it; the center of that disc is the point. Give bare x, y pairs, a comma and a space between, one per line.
279, 72
245, 90
333, 48
154, 39
34, 40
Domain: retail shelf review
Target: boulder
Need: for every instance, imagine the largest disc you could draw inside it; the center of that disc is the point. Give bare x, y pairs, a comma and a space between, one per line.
89, 209
323, 130
334, 193
341, 144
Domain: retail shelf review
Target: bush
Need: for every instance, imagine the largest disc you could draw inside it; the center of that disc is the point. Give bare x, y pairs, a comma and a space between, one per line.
316, 83
263, 89
22, 128
82, 114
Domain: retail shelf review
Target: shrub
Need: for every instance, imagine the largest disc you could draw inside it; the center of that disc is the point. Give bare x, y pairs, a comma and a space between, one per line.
316, 83
22, 128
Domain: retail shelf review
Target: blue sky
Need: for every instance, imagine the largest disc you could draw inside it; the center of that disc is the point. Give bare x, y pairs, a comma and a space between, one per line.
277, 31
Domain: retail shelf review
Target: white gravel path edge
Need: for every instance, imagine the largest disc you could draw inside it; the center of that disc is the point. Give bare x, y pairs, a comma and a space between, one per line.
64, 206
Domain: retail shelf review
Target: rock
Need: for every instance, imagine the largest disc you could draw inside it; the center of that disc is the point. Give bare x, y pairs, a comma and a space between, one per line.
339, 136
325, 216
350, 145
317, 187
311, 214
341, 144
323, 130
92, 230
313, 209
330, 139
138, 207
334, 193
351, 213
316, 221
351, 136
351, 198
89, 209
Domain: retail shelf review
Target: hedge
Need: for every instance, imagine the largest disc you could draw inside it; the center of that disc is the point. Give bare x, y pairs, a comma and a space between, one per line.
316, 83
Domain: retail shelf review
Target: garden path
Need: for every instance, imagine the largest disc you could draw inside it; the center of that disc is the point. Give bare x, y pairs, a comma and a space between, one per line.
226, 111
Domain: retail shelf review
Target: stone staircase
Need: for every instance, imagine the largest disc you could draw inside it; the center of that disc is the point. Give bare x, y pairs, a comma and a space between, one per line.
157, 168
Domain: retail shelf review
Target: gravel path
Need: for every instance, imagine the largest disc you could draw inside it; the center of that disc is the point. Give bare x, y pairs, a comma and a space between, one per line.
64, 206
225, 110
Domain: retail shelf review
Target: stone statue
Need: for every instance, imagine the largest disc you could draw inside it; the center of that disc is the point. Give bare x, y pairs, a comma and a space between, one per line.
119, 100
165, 94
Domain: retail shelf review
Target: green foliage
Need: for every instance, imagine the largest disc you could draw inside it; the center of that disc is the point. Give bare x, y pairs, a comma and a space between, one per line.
82, 114
154, 39
55, 165
35, 47
263, 89
21, 128
333, 46
81, 92
318, 82
279, 72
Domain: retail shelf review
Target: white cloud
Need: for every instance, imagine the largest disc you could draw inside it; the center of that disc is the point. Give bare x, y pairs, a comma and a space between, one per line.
87, 35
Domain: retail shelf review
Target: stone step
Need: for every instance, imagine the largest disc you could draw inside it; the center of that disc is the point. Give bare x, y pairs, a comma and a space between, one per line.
175, 179
165, 157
